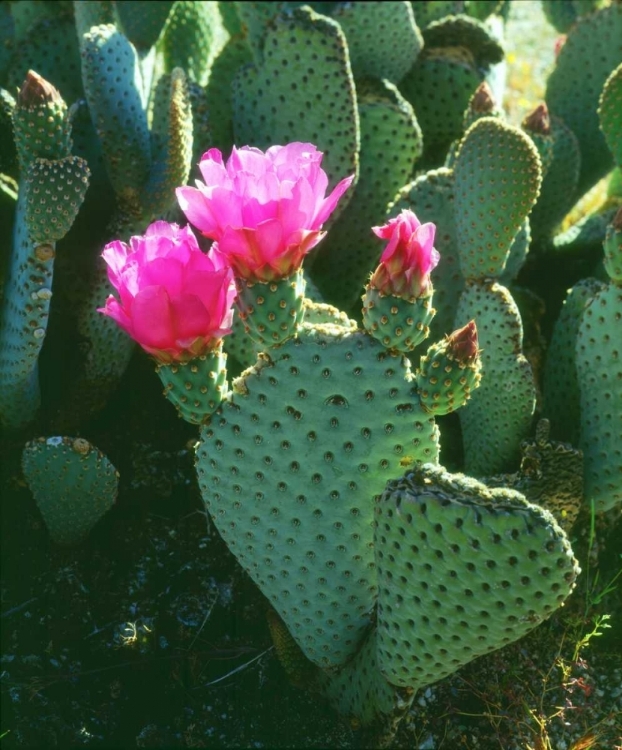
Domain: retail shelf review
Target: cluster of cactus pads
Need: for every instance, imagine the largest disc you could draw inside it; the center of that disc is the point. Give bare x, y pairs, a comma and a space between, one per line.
320, 464
384, 585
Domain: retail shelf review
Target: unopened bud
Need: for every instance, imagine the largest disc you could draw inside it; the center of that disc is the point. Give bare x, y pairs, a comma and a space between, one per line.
36, 91
463, 343
482, 100
538, 121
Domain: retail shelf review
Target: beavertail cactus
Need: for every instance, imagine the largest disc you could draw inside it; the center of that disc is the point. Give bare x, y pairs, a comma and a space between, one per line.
397, 305
550, 475
591, 52
176, 303
74, 485
294, 457
318, 427
462, 570
599, 372
52, 186
265, 212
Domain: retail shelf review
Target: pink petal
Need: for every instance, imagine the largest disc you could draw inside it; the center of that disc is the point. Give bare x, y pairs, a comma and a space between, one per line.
269, 239
329, 204
198, 210
299, 212
190, 319
226, 207
426, 234
247, 159
212, 168
114, 310
129, 284
163, 272
151, 316
115, 254
254, 212
162, 229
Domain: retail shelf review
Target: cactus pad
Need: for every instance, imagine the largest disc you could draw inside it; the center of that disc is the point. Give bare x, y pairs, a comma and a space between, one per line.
391, 142
73, 483
173, 131
610, 114
360, 691
498, 416
383, 39
115, 96
192, 38
599, 371
550, 475
593, 49
496, 180
450, 371
55, 191
559, 184
289, 472
197, 387
271, 101
462, 31
272, 311
397, 323
462, 571
62, 68
561, 388
439, 86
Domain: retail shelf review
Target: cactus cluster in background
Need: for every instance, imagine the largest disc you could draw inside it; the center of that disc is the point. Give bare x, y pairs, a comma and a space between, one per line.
319, 130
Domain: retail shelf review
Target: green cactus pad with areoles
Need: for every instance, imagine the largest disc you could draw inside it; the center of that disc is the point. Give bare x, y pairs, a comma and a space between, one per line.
278, 101
192, 38
391, 143
172, 131
449, 372
113, 86
271, 311
383, 38
197, 387
613, 248
470, 33
397, 323
431, 197
592, 50
289, 467
55, 191
599, 372
462, 571
560, 385
610, 114
73, 482
360, 692
497, 177
439, 86
499, 414
559, 184
41, 125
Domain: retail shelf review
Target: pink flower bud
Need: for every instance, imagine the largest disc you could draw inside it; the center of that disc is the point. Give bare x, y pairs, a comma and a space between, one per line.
174, 300
408, 258
265, 210
462, 343
559, 43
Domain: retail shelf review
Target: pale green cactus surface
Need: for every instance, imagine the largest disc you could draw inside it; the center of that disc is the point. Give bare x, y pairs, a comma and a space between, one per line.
404, 508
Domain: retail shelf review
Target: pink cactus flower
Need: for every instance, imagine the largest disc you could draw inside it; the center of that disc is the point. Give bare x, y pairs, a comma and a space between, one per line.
265, 210
175, 300
559, 43
408, 259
